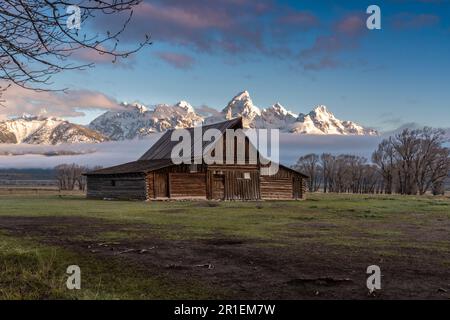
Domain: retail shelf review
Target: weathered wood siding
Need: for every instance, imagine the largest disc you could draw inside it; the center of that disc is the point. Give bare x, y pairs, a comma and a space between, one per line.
224, 182
217, 187
150, 179
177, 182
161, 185
235, 186
132, 187
277, 186
186, 185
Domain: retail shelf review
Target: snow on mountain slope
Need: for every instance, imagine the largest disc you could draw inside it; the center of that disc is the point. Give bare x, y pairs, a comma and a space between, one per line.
319, 121
43, 130
242, 106
136, 120
322, 121
275, 117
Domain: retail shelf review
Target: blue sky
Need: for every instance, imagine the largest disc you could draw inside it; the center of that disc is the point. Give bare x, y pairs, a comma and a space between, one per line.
298, 53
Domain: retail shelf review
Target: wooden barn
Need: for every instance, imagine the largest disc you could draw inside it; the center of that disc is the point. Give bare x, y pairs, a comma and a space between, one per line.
155, 176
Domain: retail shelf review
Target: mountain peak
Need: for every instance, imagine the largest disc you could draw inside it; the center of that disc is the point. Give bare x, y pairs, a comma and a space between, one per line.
185, 105
280, 109
321, 109
322, 121
242, 95
242, 106
135, 105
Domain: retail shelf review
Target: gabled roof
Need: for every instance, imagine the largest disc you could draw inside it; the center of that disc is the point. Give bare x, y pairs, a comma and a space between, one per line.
162, 149
294, 171
159, 155
140, 166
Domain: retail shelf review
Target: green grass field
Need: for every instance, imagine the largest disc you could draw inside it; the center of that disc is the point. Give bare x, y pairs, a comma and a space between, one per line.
169, 250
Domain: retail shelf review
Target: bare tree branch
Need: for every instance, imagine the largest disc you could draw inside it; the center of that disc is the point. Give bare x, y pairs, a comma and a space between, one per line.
36, 44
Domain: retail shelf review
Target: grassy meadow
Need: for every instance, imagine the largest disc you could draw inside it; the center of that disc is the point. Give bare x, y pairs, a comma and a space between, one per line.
200, 249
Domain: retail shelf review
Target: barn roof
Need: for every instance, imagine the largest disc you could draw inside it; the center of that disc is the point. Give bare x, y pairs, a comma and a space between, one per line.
159, 155
162, 149
294, 171
140, 166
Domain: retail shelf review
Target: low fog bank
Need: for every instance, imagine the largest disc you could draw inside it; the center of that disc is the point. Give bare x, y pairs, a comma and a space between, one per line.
294, 146
101, 154
112, 153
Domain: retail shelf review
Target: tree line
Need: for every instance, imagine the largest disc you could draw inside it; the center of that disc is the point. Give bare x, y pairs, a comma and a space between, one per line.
70, 176
411, 162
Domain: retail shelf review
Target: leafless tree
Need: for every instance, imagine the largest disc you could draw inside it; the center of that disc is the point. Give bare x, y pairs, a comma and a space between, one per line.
411, 162
414, 161
327, 161
341, 173
36, 43
309, 164
70, 176
383, 157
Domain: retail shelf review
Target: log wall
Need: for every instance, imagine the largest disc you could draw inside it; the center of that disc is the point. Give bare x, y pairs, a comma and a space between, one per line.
225, 182
284, 185
130, 187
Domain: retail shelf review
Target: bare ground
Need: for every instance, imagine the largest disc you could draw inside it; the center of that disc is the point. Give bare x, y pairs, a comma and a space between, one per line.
250, 269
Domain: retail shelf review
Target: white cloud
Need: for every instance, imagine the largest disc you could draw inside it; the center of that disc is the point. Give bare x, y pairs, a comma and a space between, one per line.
61, 104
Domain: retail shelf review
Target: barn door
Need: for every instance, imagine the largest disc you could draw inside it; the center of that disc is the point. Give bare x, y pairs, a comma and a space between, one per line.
161, 185
218, 188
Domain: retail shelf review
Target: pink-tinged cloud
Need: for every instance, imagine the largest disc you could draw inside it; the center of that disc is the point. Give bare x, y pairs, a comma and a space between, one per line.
91, 56
324, 63
177, 60
300, 19
178, 15
220, 26
414, 21
352, 25
323, 45
345, 35
60, 104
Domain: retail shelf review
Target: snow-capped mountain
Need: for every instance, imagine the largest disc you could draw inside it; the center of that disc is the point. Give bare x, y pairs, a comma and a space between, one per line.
322, 121
319, 121
46, 130
242, 106
136, 120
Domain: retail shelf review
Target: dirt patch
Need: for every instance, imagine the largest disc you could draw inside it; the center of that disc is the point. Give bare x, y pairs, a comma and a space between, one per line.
61, 228
224, 242
326, 281
244, 269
